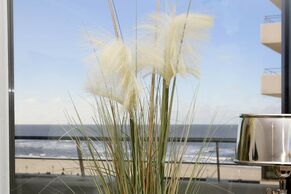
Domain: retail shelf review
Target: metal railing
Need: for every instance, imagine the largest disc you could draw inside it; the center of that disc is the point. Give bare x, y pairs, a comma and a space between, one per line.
216, 141
272, 18
274, 70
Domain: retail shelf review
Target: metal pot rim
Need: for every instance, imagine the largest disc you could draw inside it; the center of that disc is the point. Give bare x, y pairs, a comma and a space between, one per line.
265, 116
261, 163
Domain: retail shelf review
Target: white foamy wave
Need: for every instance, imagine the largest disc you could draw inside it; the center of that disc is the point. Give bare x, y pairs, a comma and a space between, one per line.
67, 149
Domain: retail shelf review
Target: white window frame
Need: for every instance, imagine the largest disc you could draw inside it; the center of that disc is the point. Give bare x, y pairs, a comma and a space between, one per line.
4, 99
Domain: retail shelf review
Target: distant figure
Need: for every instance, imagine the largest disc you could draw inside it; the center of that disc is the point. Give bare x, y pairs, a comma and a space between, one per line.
63, 172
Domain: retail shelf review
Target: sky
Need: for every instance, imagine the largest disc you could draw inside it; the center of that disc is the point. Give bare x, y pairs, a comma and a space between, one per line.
51, 51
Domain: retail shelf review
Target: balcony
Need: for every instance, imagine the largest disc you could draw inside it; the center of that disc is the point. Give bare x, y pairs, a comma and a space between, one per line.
271, 32
277, 3
271, 82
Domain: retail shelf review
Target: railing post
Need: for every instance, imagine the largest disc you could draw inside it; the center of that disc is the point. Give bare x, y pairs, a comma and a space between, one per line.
217, 161
78, 145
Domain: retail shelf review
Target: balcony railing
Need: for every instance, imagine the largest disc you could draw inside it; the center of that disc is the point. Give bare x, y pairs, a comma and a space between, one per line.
216, 141
272, 18
274, 70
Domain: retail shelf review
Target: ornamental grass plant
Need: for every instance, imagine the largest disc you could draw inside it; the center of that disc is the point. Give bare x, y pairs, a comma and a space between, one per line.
133, 84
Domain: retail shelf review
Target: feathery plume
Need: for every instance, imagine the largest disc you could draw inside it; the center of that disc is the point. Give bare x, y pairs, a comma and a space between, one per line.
114, 75
162, 46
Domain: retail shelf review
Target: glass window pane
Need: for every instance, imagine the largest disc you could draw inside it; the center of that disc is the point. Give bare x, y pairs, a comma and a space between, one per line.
56, 44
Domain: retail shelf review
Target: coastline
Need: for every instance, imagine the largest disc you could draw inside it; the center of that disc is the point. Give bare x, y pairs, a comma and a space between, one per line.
71, 167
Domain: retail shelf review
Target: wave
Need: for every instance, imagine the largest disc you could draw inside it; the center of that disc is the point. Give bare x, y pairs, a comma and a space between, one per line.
67, 150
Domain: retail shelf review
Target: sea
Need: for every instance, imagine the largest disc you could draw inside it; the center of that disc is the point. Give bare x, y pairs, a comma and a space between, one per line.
44, 148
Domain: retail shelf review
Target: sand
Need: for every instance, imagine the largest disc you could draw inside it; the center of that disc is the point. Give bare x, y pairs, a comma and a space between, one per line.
71, 167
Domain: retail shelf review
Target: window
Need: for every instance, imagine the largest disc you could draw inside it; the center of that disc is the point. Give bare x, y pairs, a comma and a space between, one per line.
51, 66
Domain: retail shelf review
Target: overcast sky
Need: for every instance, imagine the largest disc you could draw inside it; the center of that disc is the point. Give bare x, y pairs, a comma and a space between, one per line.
50, 52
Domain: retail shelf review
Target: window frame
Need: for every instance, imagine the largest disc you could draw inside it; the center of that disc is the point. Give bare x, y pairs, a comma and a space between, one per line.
7, 123
7, 109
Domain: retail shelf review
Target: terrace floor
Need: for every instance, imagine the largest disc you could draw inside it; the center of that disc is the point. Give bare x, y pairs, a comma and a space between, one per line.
68, 184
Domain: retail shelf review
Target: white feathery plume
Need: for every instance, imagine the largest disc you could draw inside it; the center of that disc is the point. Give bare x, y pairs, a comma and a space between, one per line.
162, 46
114, 75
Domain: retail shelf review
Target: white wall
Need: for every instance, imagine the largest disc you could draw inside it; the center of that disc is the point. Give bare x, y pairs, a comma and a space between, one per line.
271, 85
4, 125
271, 35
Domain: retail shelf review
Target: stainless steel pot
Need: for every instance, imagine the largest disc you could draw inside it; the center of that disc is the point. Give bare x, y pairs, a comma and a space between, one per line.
264, 140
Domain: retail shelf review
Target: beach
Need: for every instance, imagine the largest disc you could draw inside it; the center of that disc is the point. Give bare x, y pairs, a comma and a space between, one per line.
72, 167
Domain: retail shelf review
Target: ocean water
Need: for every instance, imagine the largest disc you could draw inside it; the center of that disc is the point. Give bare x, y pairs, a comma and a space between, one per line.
66, 149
